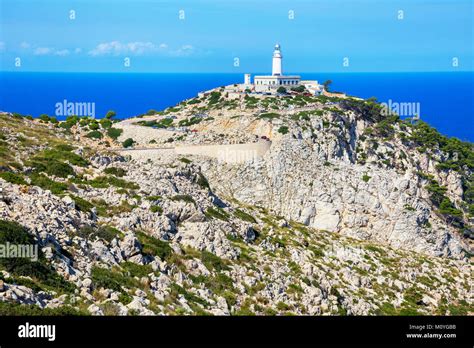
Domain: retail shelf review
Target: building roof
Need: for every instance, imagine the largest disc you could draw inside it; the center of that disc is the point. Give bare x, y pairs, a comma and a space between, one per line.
277, 77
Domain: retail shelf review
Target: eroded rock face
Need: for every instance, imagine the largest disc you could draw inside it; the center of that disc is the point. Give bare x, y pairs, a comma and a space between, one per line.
314, 179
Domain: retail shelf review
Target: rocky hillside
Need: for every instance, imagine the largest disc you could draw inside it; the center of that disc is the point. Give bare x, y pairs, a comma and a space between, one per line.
348, 213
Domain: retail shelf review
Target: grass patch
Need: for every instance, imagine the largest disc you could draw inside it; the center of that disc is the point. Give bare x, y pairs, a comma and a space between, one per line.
119, 172
244, 216
154, 246
47, 184
184, 198
217, 213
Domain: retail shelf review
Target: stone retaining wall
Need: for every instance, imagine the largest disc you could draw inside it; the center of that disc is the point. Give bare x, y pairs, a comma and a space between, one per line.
235, 153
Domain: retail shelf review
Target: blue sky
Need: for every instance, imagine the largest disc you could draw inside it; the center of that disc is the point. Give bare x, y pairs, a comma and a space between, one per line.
214, 32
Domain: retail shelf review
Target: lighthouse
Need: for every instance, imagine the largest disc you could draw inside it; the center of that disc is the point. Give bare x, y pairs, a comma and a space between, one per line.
270, 84
276, 66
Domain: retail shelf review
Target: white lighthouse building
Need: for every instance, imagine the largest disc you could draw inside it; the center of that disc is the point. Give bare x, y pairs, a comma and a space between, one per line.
269, 83
276, 66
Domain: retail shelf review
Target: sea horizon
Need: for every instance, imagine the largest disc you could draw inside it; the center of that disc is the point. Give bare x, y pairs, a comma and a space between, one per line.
450, 110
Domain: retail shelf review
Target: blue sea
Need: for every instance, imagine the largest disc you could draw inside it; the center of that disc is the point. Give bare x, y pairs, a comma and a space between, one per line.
446, 100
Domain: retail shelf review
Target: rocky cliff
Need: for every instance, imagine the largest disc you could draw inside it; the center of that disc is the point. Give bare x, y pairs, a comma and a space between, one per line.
349, 212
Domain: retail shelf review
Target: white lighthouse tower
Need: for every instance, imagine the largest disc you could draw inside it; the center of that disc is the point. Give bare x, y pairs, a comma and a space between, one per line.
276, 66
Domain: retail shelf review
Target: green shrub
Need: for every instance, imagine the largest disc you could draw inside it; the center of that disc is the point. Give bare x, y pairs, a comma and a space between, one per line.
282, 306
214, 97
16, 309
52, 162
111, 279
128, 143
283, 130
114, 133
202, 181
13, 233
153, 198
110, 114
447, 208
105, 123
107, 233
184, 198
81, 204
13, 178
269, 115
190, 297
366, 178
106, 181
135, 270
244, 216
44, 118
94, 135
213, 262
217, 213
156, 209
51, 167
47, 184
299, 89
185, 160
93, 126
154, 246
189, 121
115, 171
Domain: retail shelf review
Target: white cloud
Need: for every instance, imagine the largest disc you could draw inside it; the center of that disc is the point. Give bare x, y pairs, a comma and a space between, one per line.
42, 51
61, 52
25, 45
115, 48
183, 51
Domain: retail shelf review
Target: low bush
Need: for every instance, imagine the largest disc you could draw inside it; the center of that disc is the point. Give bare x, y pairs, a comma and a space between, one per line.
52, 167
13, 233
154, 246
111, 279
156, 209
128, 143
244, 216
82, 205
13, 178
184, 198
94, 135
107, 233
217, 213
213, 262
15, 309
114, 133
47, 184
283, 130
115, 171
105, 123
